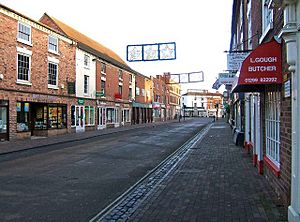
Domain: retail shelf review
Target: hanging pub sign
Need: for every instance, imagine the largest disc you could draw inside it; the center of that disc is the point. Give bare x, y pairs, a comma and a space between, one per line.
262, 66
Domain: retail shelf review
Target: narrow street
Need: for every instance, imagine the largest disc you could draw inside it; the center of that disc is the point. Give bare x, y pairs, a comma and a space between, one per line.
73, 181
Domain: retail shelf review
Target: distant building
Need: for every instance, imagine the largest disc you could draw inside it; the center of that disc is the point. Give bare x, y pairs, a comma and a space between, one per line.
202, 103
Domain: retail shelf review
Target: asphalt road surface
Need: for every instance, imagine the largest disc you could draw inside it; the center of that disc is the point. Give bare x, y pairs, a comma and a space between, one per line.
76, 180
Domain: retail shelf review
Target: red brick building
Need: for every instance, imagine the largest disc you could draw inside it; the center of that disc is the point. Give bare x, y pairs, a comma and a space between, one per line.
36, 64
262, 111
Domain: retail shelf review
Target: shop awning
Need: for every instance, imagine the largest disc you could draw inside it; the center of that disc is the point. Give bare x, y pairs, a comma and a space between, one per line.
263, 66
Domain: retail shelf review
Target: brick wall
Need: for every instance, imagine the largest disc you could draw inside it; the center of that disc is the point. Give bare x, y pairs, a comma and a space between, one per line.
39, 60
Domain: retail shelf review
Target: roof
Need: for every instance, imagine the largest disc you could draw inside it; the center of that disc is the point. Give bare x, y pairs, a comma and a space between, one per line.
90, 45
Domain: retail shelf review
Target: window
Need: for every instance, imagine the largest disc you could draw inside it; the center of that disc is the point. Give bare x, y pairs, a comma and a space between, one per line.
86, 61
130, 93
273, 126
24, 33
52, 44
89, 115
267, 17
73, 123
110, 114
22, 116
120, 74
86, 84
24, 67
137, 91
120, 90
57, 116
103, 68
103, 83
52, 74
125, 115
130, 78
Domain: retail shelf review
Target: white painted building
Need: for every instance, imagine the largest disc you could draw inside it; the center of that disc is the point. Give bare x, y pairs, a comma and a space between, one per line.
201, 103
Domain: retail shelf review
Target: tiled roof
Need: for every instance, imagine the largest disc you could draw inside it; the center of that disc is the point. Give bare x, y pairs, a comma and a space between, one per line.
76, 35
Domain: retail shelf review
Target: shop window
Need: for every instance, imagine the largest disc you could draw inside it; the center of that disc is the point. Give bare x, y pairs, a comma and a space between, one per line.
272, 122
57, 116
125, 115
110, 114
89, 115
40, 117
22, 117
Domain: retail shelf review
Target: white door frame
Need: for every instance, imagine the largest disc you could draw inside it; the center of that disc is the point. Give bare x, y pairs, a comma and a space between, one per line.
101, 117
79, 118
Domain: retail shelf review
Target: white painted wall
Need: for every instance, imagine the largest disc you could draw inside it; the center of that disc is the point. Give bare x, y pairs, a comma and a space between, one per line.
81, 70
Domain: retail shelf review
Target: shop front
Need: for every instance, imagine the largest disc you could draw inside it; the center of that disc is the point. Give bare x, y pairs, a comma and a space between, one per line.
141, 113
41, 119
260, 78
4, 123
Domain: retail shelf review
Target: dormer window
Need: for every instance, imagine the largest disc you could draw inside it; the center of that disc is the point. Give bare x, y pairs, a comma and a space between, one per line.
24, 33
86, 61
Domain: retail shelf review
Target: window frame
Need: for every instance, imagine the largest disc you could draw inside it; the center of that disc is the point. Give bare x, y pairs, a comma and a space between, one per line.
49, 49
56, 80
267, 23
24, 81
272, 125
103, 68
86, 80
22, 40
86, 61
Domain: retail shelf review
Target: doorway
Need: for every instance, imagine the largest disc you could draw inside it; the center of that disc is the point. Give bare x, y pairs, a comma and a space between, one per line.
4, 120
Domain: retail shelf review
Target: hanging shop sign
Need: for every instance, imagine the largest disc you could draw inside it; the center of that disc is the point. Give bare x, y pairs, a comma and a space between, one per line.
226, 78
235, 59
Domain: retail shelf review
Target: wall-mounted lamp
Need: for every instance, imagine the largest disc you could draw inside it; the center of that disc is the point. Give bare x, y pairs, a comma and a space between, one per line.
1, 76
62, 86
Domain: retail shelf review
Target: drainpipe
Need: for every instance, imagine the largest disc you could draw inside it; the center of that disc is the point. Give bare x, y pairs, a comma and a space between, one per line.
290, 34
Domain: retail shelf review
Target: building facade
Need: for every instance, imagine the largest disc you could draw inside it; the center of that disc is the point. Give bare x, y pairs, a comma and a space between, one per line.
202, 103
260, 99
36, 64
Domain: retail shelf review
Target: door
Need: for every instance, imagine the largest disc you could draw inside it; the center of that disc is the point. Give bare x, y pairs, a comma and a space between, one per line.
3, 122
80, 117
101, 117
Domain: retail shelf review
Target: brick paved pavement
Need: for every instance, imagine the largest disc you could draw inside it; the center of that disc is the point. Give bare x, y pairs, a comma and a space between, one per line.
216, 182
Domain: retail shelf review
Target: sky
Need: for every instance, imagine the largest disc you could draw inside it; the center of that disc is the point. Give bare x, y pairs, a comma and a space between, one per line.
200, 28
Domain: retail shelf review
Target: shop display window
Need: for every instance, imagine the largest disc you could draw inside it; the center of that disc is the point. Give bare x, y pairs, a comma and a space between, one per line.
40, 118
110, 114
22, 116
89, 115
57, 116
